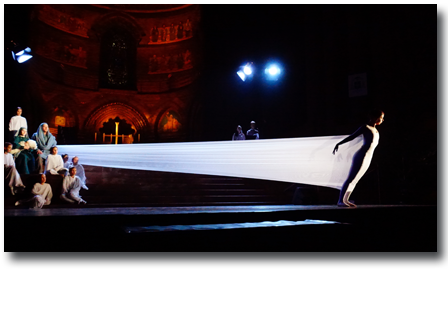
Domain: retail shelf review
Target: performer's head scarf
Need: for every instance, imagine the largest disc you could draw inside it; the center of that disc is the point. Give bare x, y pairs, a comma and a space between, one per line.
41, 136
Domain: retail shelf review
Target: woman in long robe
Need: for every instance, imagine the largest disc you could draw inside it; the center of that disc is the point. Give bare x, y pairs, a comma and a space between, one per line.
362, 158
25, 159
45, 140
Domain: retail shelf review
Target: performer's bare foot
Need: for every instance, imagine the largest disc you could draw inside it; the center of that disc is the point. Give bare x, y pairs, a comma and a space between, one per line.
343, 205
352, 205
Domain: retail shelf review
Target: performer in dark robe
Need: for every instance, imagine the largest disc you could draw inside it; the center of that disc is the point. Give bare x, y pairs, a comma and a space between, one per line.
252, 133
25, 159
172, 32
154, 34
180, 31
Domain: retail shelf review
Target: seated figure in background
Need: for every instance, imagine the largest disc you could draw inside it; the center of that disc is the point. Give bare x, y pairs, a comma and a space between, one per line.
67, 163
79, 172
45, 140
54, 163
71, 187
12, 176
25, 156
42, 194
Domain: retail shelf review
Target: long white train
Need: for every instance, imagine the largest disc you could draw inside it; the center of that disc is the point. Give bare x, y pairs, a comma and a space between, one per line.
299, 160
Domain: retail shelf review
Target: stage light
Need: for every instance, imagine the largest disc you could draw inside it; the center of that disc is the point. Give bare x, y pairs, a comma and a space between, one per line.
19, 54
273, 72
242, 75
246, 71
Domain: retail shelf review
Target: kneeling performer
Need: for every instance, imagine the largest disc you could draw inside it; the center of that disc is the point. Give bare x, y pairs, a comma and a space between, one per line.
71, 186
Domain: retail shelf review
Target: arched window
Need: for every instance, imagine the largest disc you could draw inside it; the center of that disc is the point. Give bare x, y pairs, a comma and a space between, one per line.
117, 60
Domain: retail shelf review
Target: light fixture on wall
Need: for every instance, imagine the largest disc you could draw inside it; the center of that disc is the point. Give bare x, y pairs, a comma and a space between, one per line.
246, 71
19, 54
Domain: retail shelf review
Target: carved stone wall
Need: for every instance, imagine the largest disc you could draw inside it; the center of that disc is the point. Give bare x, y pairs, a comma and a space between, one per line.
145, 72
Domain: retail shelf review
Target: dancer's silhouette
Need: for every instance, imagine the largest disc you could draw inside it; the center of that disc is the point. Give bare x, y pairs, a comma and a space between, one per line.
362, 158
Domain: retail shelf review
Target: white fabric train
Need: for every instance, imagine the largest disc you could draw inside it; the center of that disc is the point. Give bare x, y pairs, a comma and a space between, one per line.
298, 160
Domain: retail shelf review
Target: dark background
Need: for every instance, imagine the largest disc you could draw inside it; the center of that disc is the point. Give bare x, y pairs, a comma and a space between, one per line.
319, 46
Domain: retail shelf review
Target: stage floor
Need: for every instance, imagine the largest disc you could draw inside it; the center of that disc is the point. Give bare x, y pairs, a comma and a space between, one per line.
131, 211
268, 228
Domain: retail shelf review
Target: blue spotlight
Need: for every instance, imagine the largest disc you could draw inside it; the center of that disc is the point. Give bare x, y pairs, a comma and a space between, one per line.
246, 71
19, 54
273, 72
242, 75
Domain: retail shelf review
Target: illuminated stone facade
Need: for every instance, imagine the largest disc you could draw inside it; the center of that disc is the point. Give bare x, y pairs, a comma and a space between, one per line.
138, 63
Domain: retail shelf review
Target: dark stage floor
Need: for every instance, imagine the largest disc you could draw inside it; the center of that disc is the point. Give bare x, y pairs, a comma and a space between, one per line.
84, 211
369, 228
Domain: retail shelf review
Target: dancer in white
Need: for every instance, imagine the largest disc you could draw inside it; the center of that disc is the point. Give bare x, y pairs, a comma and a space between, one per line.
71, 186
79, 171
42, 194
54, 163
12, 176
362, 158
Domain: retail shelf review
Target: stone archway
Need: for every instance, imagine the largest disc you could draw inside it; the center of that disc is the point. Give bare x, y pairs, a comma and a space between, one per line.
109, 111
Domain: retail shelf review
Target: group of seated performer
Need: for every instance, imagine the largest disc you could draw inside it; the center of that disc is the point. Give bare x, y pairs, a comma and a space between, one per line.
39, 154
30, 154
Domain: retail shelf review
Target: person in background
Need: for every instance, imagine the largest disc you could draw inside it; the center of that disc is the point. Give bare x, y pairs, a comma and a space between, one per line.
172, 32
67, 163
154, 34
12, 176
70, 188
45, 140
188, 28
239, 134
163, 34
42, 194
79, 172
180, 31
54, 163
16, 123
252, 133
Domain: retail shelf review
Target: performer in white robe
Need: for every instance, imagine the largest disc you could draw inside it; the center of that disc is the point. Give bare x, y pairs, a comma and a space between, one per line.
362, 158
54, 163
65, 159
79, 171
71, 186
42, 194
12, 176
16, 123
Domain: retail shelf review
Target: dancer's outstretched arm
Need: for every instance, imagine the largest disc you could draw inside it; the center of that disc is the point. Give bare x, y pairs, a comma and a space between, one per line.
358, 132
